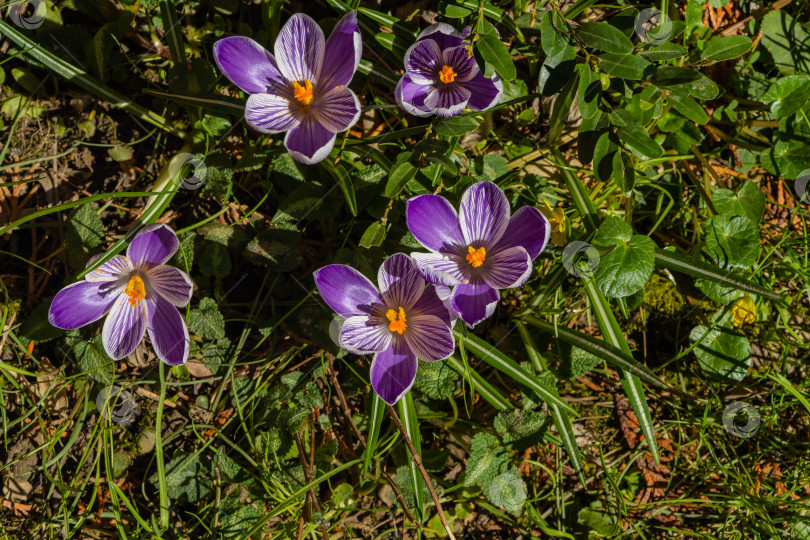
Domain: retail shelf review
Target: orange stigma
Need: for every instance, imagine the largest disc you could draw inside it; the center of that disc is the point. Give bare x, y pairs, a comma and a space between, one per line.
397, 320
476, 257
136, 290
304, 94
447, 75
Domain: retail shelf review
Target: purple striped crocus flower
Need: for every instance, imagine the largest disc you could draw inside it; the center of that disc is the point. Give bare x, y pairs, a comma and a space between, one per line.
479, 250
442, 77
401, 322
302, 89
139, 292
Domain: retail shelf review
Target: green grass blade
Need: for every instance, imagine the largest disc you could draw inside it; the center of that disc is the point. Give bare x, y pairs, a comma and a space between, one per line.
408, 414
480, 385
600, 348
699, 269
171, 26
377, 411
222, 106
344, 182
506, 365
612, 333
564, 426
579, 194
81, 78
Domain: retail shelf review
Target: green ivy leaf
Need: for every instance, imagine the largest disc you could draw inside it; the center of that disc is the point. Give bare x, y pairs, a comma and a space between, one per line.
787, 95
93, 359
487, 460
626, 66
455, 126
726, 48
687, 107
723, 353
627, 267
85, 228
507, 491
748, 201
206, 320
495, 52
601, 35
732, 241
215, 261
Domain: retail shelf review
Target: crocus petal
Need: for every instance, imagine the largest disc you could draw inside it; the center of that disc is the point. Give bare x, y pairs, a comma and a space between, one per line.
432, 303
486, 92
124, 327
434, 223
429, 338
346, 290
110, 270
154, 245
401, 283
440, 269
309, 142
423, 60
443, 34
81, 303
529, 229
447, 100
172, 284
337, 110
393, 371
344, 48
168, 332
411, 96
484, 215
299, 49
270, 113
508, 268
247, 64
474, 302
464, 65
365, 335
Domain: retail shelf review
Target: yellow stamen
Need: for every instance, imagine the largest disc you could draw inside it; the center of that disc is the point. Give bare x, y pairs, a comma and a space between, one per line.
397, 320
476, 257
304, 94
447, 75
744, 311
136, 290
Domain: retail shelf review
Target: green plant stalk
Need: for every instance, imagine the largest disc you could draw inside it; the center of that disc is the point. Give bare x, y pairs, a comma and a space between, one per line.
611, 332
564, 426
161, 465
408, 413
377, 411
479, 384
578, 192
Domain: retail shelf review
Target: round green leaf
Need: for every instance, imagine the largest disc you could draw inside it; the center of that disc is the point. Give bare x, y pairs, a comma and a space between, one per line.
748, 201
788, 95
732, 241
626, 268
723, 353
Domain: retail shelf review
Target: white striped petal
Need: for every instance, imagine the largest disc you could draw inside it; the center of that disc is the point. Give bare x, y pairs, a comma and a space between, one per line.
124, 327
270, 113
110, 270
337, 110
400, 281
423, 60
447, 100
172, 284
364, 335
508, 268
299, 49
429, 338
